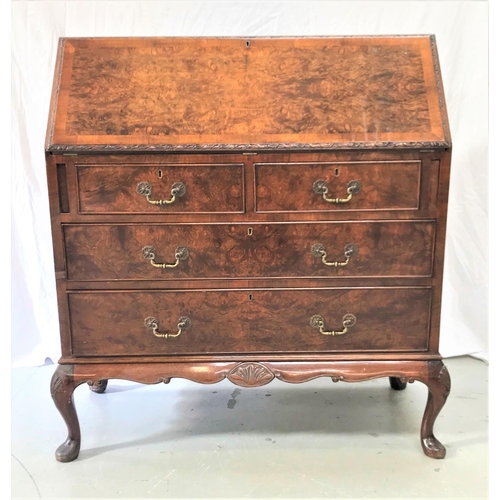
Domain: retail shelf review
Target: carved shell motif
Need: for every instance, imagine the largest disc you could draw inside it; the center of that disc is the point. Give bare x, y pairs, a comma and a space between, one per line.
250, 375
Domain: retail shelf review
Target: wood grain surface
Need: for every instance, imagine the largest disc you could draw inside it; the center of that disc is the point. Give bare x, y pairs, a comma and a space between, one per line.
250, 321
231, 184
248, 125
222, 93
288, 187
101, 252
210, 188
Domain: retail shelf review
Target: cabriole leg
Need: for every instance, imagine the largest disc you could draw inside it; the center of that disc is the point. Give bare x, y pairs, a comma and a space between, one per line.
439, 385
61, 388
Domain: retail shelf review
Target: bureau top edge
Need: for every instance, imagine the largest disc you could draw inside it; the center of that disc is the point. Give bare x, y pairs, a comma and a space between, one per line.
247, 94
80, 149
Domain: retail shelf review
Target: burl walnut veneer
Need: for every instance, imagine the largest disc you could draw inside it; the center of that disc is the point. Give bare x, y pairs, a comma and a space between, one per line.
249, 209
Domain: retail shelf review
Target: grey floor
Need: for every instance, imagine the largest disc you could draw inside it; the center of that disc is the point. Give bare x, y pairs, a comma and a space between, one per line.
311, 440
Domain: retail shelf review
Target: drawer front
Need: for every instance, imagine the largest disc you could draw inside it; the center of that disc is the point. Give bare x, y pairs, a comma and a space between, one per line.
123, 189
303, 187
220, 251
250, 321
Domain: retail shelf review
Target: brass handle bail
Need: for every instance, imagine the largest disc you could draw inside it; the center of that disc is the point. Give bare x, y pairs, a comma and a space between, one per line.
178, 190
149, 253
348, 321
182, 324
350, 250
320, 187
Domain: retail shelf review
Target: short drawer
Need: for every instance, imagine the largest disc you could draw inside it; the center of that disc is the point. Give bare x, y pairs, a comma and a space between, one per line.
357, 186
249, 321
101, 252
161, 189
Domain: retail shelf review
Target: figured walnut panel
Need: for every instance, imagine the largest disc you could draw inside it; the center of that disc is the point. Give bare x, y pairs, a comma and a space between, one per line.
210, 188
223, 93
250, 321
217, 251
288, 187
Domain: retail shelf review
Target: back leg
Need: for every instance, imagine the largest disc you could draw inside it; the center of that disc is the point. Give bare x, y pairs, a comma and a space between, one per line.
397, 384
99, 386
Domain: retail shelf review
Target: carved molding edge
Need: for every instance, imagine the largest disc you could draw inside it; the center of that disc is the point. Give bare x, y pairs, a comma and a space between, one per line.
289, 146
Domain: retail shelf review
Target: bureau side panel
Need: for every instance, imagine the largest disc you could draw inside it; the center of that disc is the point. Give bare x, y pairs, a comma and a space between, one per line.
57, 170
444, 163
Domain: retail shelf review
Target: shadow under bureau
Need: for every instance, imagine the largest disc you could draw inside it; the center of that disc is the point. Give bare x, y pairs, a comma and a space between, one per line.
249, 209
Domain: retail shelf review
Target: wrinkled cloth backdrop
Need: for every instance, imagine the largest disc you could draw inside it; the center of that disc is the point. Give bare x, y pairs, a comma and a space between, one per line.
461, 33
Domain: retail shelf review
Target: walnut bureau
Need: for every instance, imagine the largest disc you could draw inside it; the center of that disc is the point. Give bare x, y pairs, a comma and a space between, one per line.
249, 209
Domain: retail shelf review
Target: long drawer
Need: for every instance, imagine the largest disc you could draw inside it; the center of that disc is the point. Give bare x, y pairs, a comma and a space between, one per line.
222, 251
249, 321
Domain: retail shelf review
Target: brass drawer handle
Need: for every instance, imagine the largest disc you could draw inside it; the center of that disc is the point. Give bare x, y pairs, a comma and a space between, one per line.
350, 250
149, 253
320, 187
348, 321
178, 190
152, 324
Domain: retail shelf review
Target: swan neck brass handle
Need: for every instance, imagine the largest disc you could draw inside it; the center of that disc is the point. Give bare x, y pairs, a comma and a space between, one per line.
350, 250
149, 253
320, 187
153, 324
178, 190
348, 321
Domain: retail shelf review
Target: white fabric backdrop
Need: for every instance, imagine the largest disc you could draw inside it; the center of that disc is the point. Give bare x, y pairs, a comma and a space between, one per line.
461, 32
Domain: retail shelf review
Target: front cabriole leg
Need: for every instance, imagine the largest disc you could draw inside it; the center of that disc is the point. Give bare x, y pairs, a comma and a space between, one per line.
61, 388
439, 384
